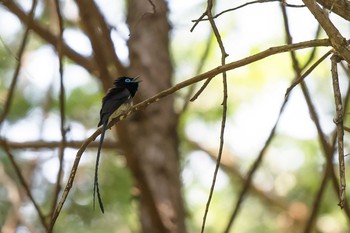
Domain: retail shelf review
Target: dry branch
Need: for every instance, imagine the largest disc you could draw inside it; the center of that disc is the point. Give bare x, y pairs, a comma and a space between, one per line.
62, 107
339, 110
49, 37
50, 145
338, 42
224, 107
25, 186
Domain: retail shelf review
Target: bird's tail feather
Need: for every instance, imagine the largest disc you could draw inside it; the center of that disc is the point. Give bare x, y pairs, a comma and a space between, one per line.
96, 187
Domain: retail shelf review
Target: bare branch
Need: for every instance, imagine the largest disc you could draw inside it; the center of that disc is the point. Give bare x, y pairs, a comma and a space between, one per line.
99, 33
62, 111
24, 184
224, 109
253, 169
198, 71
22, 47
39, 145
298, 70
339, 7
300, 79
338, 120
241, 6
232, 169
338, 42
45, 34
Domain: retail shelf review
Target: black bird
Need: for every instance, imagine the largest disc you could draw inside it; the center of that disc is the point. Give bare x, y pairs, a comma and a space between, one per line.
117, 101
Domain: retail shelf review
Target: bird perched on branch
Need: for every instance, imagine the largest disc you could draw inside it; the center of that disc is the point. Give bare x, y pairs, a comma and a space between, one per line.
117, 101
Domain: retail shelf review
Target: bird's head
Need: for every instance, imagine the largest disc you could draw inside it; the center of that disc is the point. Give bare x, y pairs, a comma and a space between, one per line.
126, 82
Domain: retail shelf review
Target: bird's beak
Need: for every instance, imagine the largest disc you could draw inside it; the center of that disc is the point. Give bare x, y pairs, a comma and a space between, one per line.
136, 79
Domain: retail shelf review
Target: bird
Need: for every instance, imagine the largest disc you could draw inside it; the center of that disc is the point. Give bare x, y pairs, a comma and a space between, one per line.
118, 100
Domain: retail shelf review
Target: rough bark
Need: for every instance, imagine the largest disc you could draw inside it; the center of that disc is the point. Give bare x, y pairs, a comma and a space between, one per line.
339, 7
149, 137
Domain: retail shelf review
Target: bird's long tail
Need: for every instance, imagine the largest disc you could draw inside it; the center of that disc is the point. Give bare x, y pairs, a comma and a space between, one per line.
96, 187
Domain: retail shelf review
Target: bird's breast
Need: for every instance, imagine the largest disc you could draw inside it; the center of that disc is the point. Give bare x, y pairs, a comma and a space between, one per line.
122, 109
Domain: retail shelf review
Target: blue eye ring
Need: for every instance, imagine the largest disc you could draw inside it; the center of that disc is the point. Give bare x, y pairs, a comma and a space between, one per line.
127, 80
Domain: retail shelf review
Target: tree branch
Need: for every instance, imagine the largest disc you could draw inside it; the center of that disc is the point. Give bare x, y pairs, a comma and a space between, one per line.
40, 145
105, 57
339, 110
50, 38
25, 186
254, 167
224, 108
339, 7
338, 42
62, 107
21, 50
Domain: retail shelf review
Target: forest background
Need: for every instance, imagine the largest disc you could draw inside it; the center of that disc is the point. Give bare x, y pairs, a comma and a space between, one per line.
241, 123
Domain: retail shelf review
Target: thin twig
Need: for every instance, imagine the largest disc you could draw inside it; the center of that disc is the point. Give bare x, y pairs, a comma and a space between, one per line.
339, 43
229, 166
24, 185
346, 105
196, 22
338, 120
73, 173
62, 111
49, 37
224, 109
301, 78
209, 79
313, 52
317, 202
198, 70
328, 148
106, 35
244, 5
7, 107
11, 91
253, 169
296, 66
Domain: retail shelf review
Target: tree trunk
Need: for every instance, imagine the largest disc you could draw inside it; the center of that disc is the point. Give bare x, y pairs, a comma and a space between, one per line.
150, 138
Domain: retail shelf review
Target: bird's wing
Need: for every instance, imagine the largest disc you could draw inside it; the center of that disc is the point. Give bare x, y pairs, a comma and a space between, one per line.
112, 101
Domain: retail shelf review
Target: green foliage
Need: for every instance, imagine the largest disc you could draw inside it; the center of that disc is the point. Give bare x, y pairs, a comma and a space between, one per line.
83, 105
20, 107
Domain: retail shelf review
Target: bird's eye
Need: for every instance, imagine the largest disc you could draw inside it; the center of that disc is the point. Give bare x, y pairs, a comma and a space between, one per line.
127, 80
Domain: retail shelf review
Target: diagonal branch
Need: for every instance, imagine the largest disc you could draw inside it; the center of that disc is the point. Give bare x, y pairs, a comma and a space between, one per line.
339, 7
299, 77
25, 186
50, 38
22, 47
253, 169
95, 26
198, 70
338, 42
